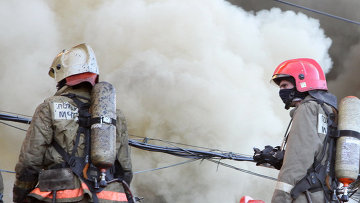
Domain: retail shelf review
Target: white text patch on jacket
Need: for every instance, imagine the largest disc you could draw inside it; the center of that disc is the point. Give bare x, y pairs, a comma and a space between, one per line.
65, 111
322, 124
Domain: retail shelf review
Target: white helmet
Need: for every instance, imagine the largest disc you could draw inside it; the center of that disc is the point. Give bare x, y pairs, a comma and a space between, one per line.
70, 63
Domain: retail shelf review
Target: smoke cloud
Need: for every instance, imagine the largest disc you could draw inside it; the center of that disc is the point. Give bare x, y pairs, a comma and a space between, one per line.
28, 39
344, 51
347, 83
191, 71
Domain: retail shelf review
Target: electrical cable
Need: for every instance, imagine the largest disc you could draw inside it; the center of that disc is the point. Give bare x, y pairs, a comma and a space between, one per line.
146, 139
188, 153
17, 119
174, 151
243, 170
195, 155
13, 126
149, 138
177, 151
15, 113
318, 12
177, 164
6, 171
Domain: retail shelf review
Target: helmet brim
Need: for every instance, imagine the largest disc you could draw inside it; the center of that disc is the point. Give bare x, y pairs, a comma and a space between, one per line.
277, 78
92, 78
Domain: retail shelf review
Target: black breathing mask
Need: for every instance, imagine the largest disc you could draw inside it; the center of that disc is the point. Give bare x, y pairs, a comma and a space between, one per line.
288, 95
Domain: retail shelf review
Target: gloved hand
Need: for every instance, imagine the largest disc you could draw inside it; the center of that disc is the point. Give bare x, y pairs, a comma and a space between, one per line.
270, 155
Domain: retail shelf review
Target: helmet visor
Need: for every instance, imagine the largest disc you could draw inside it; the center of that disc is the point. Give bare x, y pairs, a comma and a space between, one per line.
276, 79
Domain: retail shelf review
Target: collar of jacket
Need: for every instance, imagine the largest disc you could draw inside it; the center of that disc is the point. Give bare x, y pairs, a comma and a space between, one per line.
82, 91
325, 97
307, 98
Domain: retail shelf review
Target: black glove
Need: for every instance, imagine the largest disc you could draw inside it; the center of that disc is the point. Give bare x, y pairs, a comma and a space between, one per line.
270, 155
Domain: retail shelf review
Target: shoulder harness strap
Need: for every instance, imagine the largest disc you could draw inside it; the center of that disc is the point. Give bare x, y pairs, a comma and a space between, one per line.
80, 164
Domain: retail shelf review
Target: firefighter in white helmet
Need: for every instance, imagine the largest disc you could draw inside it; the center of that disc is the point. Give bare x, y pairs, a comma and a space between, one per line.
54, 162
303, 86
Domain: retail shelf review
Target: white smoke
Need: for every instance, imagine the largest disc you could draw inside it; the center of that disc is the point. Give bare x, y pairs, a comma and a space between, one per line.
28, 39
190, 71
28, 34
344, 51
198, 73
347, 83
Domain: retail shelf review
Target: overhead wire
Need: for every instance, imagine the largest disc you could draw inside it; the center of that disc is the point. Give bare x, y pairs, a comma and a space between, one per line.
16, 113
243, 170
176, 150
172, 165
192, 152
13, 126
189, 153
146, 139
6, 171
156, 139
318, 12
17, 119
214, 155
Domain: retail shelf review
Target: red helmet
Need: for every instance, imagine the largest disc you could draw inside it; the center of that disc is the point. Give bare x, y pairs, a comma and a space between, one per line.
307, 73
248, 199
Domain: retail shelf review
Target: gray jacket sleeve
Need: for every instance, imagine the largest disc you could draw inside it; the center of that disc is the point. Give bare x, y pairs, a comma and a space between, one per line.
123, 146
38, 137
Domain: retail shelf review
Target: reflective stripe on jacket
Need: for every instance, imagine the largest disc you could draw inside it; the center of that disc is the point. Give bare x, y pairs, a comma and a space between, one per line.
61, 195
77, 194
108, 195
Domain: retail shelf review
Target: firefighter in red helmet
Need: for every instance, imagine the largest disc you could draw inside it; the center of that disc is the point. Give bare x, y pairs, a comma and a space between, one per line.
55, 162
304, 152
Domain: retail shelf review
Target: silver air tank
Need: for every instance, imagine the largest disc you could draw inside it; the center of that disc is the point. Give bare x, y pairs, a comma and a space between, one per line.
103, 129
348, 144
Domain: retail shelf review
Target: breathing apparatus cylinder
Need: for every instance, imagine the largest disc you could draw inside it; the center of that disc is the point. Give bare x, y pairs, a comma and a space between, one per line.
103, 129
348, 144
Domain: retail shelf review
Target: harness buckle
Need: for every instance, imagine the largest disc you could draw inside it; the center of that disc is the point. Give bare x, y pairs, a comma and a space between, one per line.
104, 119
72, 162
